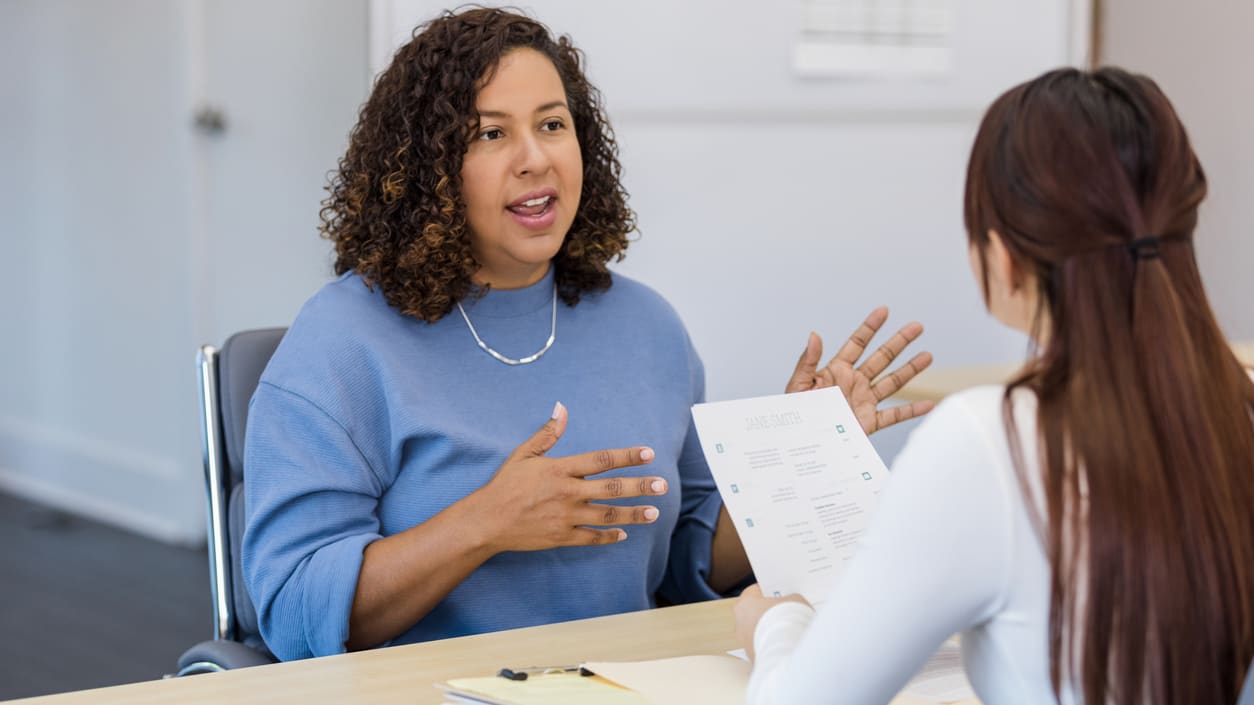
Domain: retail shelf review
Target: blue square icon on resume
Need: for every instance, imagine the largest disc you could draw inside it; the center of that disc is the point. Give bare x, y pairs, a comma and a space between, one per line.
749, 523
718, 447
735, 489
866, 476
840, 428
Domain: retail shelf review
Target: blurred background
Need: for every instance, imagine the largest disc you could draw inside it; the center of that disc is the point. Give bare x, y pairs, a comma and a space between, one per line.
164, 160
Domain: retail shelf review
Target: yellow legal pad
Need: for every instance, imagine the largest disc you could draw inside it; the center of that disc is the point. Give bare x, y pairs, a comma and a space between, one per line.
566, 688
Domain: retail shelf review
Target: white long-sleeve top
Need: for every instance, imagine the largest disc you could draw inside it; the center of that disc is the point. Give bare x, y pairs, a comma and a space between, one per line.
951, 548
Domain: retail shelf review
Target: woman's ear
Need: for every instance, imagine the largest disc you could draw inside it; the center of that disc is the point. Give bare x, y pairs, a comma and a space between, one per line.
1001, 266
1012, 292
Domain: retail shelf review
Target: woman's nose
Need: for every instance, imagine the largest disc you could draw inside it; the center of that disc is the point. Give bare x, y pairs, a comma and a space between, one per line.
533, 157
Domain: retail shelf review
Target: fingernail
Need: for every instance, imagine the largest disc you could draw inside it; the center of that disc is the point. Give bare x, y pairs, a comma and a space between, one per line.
650, 513
557, 409
646, 454
622, 535
658, 486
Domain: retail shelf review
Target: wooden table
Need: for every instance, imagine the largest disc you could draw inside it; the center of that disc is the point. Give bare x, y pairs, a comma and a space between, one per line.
405, 675
937, 383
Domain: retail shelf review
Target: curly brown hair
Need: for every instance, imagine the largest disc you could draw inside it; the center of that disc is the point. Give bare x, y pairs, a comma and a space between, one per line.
395, 209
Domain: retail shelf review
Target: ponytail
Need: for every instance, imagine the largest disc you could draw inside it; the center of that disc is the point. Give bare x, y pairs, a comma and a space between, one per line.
1146, 418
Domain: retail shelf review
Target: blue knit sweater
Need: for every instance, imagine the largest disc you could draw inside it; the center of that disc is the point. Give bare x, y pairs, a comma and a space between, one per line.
367, 423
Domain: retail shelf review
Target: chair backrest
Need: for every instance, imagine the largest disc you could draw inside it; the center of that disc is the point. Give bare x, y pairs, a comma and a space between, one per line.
228, 378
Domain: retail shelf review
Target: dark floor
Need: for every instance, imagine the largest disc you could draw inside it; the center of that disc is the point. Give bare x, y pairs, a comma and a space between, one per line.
84, 605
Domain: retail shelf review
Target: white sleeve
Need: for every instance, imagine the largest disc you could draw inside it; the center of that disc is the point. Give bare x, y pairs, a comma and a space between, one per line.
936, 560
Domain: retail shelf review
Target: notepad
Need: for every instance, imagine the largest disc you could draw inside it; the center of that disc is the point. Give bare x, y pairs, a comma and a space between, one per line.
542, 689
715, 679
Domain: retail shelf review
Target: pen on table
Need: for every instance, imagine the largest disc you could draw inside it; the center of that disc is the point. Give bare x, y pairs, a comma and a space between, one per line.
520, 674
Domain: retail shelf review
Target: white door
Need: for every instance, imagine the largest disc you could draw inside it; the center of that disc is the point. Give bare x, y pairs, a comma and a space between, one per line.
286, 78
130, 236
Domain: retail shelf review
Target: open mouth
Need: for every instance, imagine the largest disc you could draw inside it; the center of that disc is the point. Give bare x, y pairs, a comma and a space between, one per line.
533, 207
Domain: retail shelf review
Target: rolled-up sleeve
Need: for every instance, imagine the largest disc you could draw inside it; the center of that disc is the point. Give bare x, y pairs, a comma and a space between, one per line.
311, 503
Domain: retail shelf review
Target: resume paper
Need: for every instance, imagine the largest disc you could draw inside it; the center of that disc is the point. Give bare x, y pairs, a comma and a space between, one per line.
799, 479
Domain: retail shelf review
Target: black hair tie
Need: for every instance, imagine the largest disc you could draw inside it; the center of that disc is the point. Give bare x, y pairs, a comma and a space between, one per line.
1144, 248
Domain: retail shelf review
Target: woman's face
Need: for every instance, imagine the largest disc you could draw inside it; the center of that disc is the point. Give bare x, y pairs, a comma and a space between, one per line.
523, 173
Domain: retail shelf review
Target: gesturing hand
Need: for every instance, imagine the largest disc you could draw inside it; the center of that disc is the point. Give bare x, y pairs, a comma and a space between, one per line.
859, 384
536, 502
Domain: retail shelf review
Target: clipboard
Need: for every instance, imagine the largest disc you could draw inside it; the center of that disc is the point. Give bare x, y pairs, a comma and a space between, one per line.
554, 688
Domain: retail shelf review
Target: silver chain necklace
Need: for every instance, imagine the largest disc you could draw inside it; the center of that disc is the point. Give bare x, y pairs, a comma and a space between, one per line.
509, 360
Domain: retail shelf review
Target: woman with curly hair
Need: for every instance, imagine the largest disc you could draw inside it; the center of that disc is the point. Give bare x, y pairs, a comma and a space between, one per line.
1087, 527
396, 488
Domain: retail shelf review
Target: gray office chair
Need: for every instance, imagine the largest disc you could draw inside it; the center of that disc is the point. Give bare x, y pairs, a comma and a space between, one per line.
228, 378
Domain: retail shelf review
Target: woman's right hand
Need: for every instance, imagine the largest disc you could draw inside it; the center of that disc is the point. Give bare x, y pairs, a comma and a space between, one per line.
536, 502
533, 502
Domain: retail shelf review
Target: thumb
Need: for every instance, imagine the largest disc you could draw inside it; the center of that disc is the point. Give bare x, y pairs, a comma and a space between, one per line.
548, 435
803, 375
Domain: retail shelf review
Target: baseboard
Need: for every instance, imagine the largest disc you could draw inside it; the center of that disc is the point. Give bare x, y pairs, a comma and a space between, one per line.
48, 439
102, 510
143, 490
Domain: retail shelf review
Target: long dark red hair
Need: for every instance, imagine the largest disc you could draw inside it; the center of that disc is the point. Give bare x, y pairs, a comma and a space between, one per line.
1146, 418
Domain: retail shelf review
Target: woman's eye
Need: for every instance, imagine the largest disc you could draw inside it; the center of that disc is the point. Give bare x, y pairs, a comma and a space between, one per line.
552, 125
491, 134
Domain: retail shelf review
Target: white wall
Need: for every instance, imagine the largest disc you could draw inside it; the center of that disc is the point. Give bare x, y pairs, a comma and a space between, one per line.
93, 309
768, 206
1199, 53
759, 233
772, 205
128, 239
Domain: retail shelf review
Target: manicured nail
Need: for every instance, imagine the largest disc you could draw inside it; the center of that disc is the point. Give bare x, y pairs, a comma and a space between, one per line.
622, 535
646, 454
650, 513
557, 409
658, 486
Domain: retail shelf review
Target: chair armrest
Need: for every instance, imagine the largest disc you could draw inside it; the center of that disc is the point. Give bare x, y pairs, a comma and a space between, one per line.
220, 655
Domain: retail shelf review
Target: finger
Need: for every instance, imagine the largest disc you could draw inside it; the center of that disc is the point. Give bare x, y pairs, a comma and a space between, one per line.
824, 378
803, 374
879, 360
890, 385
582, 536
599, 461
888, 417
612, 515
854, 347
544, 439
624, 487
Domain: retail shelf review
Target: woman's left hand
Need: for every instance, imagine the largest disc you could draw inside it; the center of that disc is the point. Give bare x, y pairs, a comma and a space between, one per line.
859, 384
750, 607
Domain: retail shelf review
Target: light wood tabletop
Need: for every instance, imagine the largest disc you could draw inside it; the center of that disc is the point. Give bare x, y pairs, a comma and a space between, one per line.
406, 675
936, 383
